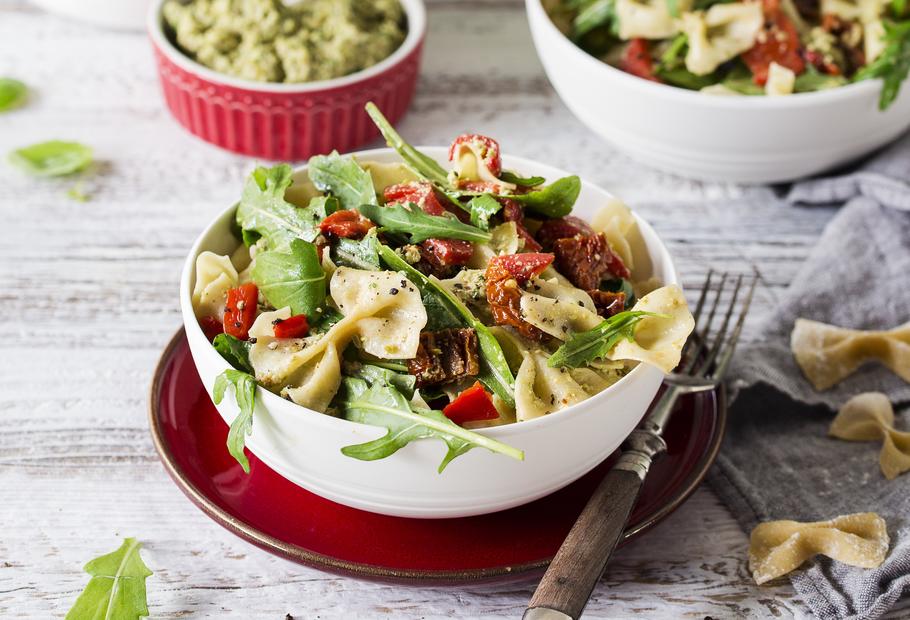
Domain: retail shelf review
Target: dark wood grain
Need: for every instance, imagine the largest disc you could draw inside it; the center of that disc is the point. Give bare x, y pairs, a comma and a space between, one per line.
583, 556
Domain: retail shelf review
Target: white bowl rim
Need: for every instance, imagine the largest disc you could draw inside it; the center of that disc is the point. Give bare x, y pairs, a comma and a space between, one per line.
505, 429
417, 27
795, 100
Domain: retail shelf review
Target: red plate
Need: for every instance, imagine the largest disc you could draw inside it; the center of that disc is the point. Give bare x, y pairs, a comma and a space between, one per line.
282, 518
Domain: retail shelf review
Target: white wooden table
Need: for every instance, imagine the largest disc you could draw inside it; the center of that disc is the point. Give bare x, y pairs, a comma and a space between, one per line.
88, 293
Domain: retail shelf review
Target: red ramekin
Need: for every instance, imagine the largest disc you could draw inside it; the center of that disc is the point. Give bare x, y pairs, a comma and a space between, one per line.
287, 121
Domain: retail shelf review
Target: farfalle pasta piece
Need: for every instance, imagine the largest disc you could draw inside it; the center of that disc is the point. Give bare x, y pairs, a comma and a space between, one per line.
778, 547
648, 19
616, 222
870, 417
719, 34
828, 354
215, 275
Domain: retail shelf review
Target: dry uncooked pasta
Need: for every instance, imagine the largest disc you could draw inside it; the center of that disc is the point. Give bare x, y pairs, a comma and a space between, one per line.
778, 547
828, 354
870, 417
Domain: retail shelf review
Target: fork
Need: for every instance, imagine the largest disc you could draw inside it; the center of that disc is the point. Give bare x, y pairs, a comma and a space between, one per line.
566, 587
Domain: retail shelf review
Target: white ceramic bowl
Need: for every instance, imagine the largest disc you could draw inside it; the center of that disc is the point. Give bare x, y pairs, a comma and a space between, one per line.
304, 445
740, 139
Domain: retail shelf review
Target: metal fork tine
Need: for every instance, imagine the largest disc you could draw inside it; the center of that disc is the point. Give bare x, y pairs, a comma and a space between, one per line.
722, 332
702, 334
725, 357
687, 353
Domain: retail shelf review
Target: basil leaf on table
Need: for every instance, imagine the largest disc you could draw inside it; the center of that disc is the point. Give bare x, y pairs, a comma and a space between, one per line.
892, 65
245, 394
263, 211
384, 406
357, 253
234, 350
554, 200
422, 165
292, 277
53, 158
445, 310
116, 588
420, 225
597, 343
343, 177
482, 208
12, 93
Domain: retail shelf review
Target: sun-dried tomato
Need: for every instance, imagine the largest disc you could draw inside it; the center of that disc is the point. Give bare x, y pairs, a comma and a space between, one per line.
504, 294
349, 224
420, 193
486, 149
608, 303
512, 211
636, 59
587, 259
561, 228
777, 41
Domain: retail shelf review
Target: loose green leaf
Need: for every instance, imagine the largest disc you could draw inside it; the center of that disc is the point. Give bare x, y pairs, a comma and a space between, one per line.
358, 253
263, 211
234, 350
343, 177
51, 159
554, 200
594, 15
245, 393
116, 590
292, 277
413, 221
597, 343
384, 406
812, 80
892, 65
482, 208
422, 165
77, 193
12, 94
676, 51
401, 381
511, 177
444, 310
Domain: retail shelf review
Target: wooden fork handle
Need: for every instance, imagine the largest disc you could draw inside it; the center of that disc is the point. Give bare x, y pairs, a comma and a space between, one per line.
566, 587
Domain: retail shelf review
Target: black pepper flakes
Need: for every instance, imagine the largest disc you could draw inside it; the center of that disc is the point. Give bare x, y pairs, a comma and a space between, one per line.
393, 291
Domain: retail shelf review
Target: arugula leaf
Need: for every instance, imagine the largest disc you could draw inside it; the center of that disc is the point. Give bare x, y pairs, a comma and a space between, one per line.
482, 208
511, 177
892, 65
401, 381
683, 78
292, 278
554, 200
420, 225
422, 165
384, 406
812, 80
445, 310
325, 320
234, 350
117, 587
596, 343
12, 93
358, 253
898, 7
343, 177
263, 211
245, 393
52, 159
594, 15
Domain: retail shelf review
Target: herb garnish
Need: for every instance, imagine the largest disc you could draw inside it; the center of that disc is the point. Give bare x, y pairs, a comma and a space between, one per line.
117, 587
597, 343
245, 394
12, 93
892, 65
51, 159
343, 177
413, 221
292, 277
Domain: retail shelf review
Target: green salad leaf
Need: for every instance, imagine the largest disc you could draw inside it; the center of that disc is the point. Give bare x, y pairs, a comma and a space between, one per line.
117, 587
422, 165
343, 177
676, 51
245, 393
51, 159
12, 93
511, 177
420, 225
401, 381
358, 253
554, 200
892, 65
324, 320
597, 343
234, 350
482, 208
594, 14
292, 277
683, 78
384, 406
445, 310
263, 211
812, 80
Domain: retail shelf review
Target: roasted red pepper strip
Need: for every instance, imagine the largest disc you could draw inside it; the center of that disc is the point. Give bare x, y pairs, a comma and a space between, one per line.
420, 193
348, 224
291, 327
240, 311
637, 60
472, 405
487, 149
211, 327
522, 267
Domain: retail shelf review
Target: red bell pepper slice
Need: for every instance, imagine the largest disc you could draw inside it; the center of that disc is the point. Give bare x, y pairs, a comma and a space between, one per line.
522, 267
348, 224
637, 60
472, 405
240, 311
420, 193
291, 327
487, 149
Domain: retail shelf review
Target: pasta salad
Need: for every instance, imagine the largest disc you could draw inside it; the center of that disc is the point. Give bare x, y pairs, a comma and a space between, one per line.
427, 301
746, 47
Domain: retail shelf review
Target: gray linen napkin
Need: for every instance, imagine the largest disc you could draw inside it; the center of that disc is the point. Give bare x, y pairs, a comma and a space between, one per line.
777, 461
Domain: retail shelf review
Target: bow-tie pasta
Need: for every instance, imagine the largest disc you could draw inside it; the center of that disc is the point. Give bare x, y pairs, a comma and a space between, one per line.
828, 354
616, 222
870, 417
719, 34
648, 19
659, 339
215, 275
558, 308
778, 547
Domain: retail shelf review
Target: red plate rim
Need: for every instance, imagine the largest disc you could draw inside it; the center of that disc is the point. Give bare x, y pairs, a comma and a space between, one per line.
321, 561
